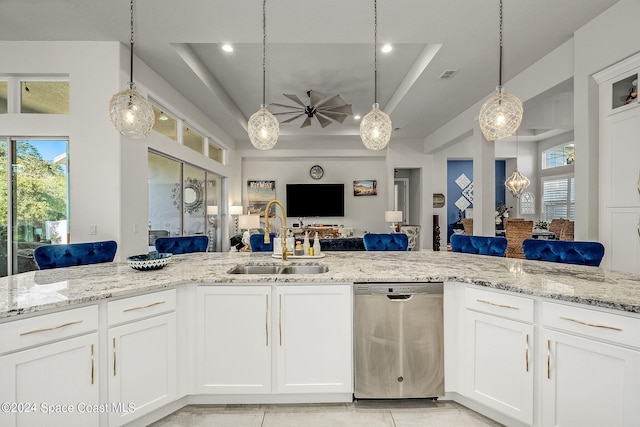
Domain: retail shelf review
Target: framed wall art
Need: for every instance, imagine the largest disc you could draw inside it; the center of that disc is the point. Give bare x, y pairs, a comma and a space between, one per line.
365, 187
259, 193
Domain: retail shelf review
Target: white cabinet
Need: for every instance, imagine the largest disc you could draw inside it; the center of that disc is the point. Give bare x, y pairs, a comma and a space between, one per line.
579, 369
619, 164
142, 355
314, 339
55, 383
299, 343
234, 335
499, 352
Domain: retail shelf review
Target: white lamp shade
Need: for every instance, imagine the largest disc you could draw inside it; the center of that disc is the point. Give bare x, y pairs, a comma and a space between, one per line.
248, 222
212, 210
235, 210
393, 216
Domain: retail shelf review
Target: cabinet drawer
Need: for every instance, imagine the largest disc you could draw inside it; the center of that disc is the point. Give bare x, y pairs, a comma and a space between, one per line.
142, 306
499, 304
595, 324
48, 327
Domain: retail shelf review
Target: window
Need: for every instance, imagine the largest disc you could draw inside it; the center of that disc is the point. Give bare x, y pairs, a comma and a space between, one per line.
44, 97
561, 155
192, 139
34, 200
215, 153
527, 203
3, 97
165, 123
558, 198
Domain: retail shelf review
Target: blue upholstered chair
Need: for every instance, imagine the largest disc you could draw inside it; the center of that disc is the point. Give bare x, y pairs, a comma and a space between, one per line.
342, 244
67, 255
256, 241
182, 244
386, 242
565, 251
481, 245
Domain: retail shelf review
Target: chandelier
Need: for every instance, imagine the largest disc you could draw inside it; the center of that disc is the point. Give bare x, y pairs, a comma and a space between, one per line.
517, 182
501, 115
375, 127
263, 127
130, 112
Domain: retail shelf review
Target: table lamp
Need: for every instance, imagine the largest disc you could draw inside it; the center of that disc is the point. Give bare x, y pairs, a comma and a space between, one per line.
394, 217
235, 211
248, 223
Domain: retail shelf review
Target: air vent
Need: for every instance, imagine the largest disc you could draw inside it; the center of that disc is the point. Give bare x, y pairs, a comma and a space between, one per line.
447, 74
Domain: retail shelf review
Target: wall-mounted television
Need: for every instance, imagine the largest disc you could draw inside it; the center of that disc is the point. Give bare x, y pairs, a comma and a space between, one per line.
308, 200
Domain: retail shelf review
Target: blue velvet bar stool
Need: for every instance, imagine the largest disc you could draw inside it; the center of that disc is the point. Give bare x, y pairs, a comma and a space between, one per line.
564, 251
182, 244
480, 245
386, 242
67, 255
256, 241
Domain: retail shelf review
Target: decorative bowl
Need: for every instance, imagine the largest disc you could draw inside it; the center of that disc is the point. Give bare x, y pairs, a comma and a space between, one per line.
150, 261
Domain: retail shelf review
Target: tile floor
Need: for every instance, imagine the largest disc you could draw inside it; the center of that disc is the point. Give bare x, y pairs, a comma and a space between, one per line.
402, 413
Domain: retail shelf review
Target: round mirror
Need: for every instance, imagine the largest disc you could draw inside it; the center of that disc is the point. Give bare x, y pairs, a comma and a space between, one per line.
190, 196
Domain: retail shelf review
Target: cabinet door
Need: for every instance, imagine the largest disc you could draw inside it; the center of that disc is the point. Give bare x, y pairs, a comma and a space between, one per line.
622, 240
52, 384
142, 367
314, 339
499, 364
621, 158
234, 339
588, 383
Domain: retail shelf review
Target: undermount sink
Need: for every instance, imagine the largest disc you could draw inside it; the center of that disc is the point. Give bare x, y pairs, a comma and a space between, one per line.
279, 269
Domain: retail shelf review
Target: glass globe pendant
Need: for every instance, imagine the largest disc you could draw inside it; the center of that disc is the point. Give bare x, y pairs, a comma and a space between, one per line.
501, 115
263, 129
517, 183
375, 129
130, 112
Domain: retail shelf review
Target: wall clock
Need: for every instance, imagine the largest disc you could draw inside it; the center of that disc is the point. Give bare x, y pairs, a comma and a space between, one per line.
316, 172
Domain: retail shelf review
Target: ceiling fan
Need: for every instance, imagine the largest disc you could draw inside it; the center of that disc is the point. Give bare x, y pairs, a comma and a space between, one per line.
324, 110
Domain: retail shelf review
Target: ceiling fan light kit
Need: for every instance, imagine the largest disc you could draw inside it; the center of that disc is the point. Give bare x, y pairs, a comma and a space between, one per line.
375, 127
263, 127
501, 115
130, 112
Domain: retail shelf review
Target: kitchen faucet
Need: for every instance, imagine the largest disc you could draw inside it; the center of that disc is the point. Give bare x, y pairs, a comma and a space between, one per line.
283, 230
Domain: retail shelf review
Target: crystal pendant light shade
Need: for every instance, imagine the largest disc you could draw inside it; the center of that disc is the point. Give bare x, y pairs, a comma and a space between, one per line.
375, 129
131, 113
500, 116
263, 129
517, 183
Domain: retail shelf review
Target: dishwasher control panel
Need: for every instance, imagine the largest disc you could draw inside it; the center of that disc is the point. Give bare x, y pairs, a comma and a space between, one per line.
400, 288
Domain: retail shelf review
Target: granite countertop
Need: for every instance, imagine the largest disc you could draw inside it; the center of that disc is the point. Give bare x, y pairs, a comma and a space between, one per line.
64, 287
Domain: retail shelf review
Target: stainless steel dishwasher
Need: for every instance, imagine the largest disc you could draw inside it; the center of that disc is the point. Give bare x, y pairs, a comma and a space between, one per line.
398, 340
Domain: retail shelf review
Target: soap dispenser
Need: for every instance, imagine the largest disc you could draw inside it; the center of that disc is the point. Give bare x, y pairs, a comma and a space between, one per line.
305, 243
316, 245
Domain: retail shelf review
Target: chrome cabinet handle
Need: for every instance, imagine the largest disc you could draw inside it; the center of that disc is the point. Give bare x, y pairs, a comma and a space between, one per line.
143, 307
593, 325
266, 320
526, 357
498, 305
64, 325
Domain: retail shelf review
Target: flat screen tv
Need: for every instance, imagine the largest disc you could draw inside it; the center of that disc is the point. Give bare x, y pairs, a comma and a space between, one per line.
308, 200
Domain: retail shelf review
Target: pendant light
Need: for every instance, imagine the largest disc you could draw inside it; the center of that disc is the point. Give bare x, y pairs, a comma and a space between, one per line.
375, 127
263, 128
130, 112
501, 115
517, 182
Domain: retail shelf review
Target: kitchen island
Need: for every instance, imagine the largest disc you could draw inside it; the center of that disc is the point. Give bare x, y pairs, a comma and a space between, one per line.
134, 346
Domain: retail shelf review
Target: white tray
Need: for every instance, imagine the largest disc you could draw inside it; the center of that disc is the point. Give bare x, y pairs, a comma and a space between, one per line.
298, 256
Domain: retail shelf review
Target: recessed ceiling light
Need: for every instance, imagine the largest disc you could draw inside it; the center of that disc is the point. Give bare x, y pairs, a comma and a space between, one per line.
227, 48
356, 117
387, 48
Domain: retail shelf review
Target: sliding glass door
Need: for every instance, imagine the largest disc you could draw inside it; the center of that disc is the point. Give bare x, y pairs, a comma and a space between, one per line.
34, 199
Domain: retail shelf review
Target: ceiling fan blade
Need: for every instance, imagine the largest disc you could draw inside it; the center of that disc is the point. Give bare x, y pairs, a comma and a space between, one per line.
338, 117
331, 102
315, 97
324, 122
292, 118
345, 109
307, 122
284, 105
295, 99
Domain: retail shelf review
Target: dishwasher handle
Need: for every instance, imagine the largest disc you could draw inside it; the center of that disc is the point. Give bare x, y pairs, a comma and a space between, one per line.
400, 298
